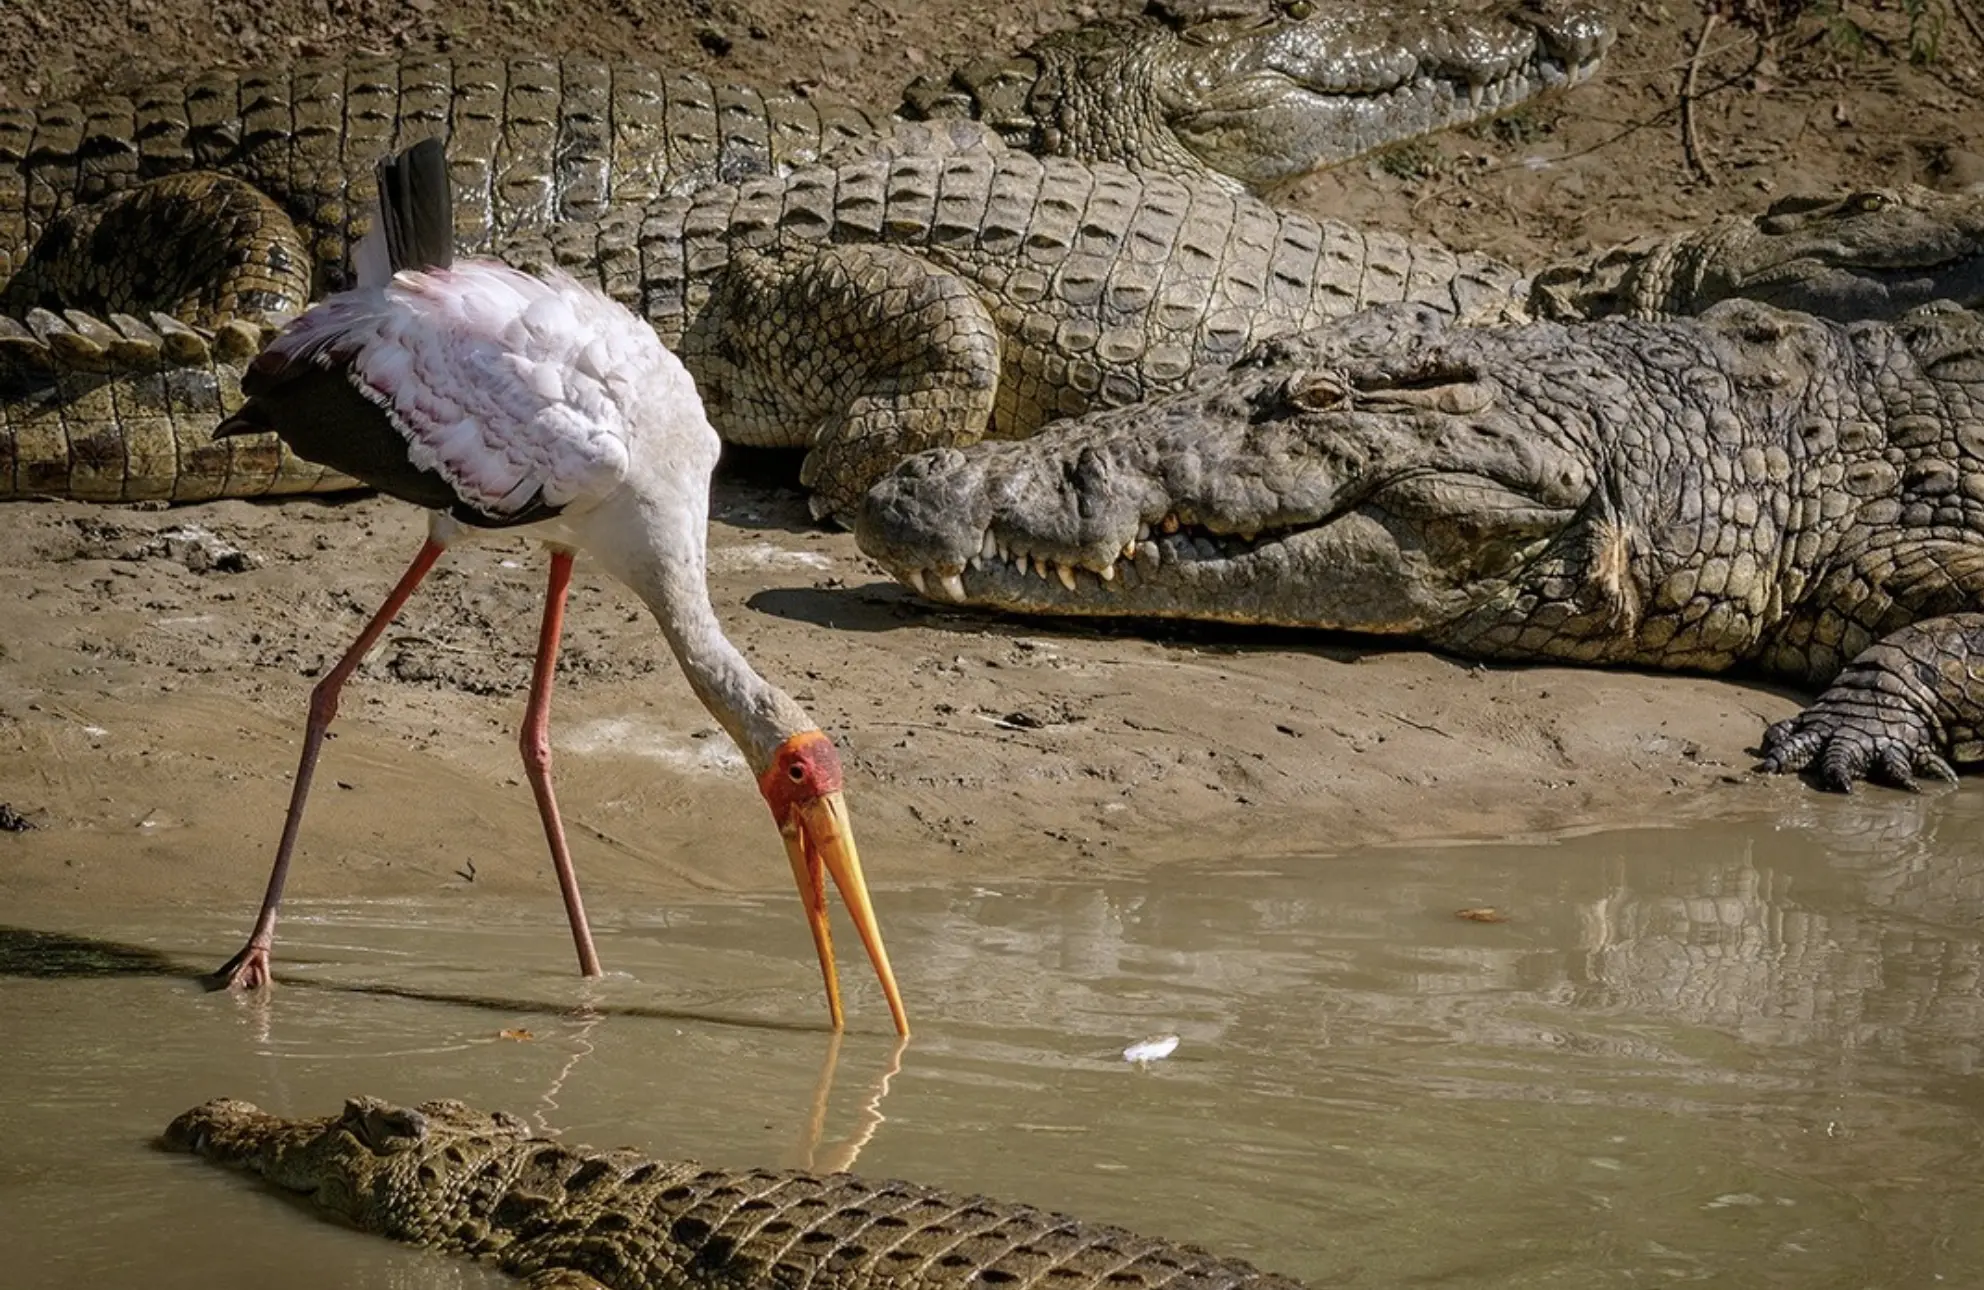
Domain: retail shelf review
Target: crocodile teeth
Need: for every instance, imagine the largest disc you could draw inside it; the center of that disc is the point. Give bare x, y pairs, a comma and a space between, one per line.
1066, 574
1143, 532
1019, 562
1147, 551
1107, 573
989, 548
915, 579
1129, 551
954, 587
1476, 93
974, 564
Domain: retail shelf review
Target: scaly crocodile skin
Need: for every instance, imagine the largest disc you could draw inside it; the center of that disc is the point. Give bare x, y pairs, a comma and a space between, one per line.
452, 1178
1104, 334
946, 286
1866, 255
123, 411
244, 193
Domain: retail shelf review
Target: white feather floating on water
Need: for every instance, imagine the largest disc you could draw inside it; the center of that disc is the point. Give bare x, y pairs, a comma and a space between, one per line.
1154, 1049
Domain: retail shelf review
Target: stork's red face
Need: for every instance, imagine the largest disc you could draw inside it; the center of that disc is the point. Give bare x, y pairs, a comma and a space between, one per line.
803, 787
805, 768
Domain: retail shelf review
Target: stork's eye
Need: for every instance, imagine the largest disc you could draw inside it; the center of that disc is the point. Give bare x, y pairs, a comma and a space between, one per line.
797, 772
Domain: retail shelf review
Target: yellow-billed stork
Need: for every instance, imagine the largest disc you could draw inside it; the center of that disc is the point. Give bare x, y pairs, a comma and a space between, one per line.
502, 400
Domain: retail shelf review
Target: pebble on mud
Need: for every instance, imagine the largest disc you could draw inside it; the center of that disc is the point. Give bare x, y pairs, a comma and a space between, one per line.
200, 549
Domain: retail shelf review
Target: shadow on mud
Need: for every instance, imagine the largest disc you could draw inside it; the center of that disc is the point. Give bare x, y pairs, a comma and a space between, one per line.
883, 606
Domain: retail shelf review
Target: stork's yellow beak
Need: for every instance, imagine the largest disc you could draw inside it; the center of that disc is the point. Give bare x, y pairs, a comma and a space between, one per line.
819, 840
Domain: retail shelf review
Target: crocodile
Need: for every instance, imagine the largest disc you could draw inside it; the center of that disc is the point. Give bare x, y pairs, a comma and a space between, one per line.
923, 293
122, 411
1870, 254
1225, 91
448, 1177
1752, 490
1254, 95
1026, 315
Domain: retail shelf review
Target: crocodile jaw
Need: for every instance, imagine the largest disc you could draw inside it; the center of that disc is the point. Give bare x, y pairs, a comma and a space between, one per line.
1352, 574
1023, 531
292, 1154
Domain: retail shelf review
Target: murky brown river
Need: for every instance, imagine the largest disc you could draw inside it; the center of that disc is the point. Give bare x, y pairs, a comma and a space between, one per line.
1745, 1055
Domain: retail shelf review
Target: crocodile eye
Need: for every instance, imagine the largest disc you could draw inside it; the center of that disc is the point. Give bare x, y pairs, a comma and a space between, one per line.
1867, 203
1300, 10
1315, 391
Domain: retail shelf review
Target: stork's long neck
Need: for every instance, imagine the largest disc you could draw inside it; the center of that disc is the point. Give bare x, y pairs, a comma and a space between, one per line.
756, 714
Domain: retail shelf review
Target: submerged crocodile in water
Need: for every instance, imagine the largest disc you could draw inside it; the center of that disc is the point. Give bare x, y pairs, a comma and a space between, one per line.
921, 298
1752, 490
450, 1178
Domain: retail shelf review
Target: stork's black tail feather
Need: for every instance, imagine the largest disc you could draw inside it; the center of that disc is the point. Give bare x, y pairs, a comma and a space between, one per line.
417, 207
306, 398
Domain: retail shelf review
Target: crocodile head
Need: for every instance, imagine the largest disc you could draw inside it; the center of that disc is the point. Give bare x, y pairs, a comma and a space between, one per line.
1266, 92
1258, 92
1870, 255
1374, 476
370, 1165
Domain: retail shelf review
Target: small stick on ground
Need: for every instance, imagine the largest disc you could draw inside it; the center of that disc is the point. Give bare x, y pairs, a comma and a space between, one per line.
1970, 20
1690, 142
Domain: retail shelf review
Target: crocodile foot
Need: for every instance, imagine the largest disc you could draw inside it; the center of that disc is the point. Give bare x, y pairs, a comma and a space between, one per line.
1869, 724
248, 970
1841, 750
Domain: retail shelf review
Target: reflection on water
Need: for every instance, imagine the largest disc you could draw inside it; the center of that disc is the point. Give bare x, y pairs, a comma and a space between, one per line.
1735, 1054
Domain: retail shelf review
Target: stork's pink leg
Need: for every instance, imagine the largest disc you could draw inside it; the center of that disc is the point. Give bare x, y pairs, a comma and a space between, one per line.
250, 968
535, 745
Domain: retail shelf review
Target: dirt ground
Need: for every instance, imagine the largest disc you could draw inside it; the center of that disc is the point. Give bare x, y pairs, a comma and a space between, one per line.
154, 665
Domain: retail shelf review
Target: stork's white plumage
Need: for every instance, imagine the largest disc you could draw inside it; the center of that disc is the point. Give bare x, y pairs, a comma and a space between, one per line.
512, 388
500, 399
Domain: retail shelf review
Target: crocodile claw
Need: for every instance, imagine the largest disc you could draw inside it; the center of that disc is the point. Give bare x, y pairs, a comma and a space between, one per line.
1841, 749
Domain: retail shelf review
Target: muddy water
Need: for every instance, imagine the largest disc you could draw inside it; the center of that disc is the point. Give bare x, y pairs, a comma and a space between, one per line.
1745, 1054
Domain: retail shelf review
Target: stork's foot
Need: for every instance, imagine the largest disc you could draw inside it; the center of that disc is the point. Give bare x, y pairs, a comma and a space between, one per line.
248, 970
